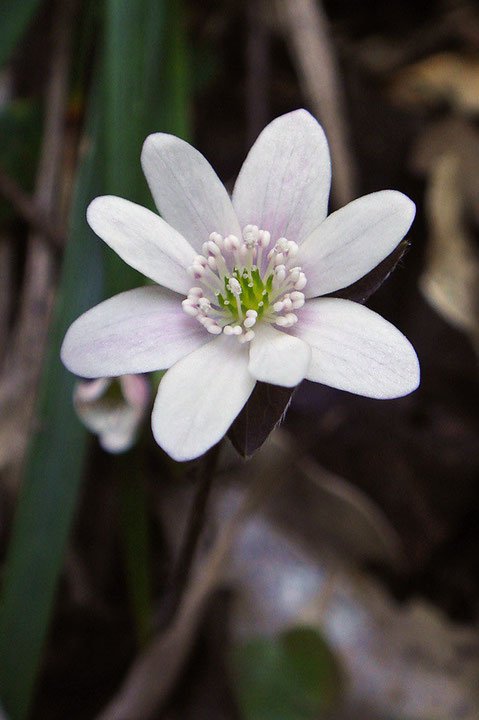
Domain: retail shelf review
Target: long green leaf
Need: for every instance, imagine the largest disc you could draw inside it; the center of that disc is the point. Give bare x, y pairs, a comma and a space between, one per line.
54, 468
145, 91
15, 16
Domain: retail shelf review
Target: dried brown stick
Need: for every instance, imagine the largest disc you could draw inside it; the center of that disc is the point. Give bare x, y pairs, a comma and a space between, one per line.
26, 208
258, 69
306, 27
25, 353
6, 288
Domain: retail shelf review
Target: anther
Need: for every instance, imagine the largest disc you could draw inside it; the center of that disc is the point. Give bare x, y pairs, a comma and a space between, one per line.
231, 243
298, 299
301, 282
247, 337
204, 304
196, 271
264, 238
216, 238
234, 286
250, 319
280, 273
189, 308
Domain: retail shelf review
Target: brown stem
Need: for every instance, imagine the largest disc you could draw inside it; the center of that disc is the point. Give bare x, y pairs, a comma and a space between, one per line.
206, 471
29, 211
307, 31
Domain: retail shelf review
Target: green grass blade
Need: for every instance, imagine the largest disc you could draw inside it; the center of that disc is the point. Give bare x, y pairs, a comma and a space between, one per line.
15, 16
145, 74
146, 90
54, 467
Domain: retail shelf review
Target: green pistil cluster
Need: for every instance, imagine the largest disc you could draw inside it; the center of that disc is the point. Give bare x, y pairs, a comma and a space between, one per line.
254, 293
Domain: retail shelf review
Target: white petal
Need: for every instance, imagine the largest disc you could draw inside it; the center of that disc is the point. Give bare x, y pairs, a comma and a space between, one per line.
355, 349
278, 358
137, 331
199, 398
353, 240
143, 240
284, 183
186, 189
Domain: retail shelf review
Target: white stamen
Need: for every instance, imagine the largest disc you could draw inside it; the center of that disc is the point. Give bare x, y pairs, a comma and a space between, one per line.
196, 271
213, 248
204, 304
298, 299
231, 243
280, 274
264, 238
217, 238
234, 286
286, 321
233, 260
247, 337
189, 309
301, 282
250, 319
195, 292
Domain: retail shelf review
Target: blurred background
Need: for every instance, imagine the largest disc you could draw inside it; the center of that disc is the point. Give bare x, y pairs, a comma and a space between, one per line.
335, 574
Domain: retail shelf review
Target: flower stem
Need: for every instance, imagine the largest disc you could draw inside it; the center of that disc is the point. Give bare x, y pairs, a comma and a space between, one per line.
135, 531
196, 520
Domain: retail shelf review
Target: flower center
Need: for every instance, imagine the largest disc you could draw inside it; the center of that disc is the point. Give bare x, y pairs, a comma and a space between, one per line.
240, 282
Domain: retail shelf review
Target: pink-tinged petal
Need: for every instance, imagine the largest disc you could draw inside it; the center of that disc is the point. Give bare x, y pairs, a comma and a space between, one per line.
186, 189
143, 240
105, 410
353, 240
199, 398
284, 183
278, 358
137, 331
355, 349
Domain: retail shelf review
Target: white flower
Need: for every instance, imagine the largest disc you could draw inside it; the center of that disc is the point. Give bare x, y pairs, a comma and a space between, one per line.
243, 276
113, 409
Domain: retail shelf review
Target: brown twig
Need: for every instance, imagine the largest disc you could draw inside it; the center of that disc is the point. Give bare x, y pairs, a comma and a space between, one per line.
195, 526
258, 69
306, 27
24, 205
6, 288
25, 356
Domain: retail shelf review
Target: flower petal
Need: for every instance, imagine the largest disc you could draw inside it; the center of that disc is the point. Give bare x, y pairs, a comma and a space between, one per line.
353, 240
186, 189
355, 349
278, 358
284, 183
143, 240
137, 331
199, 398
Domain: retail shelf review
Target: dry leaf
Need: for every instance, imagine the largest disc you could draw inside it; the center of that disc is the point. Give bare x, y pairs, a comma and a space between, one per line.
444, 77
450, 281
